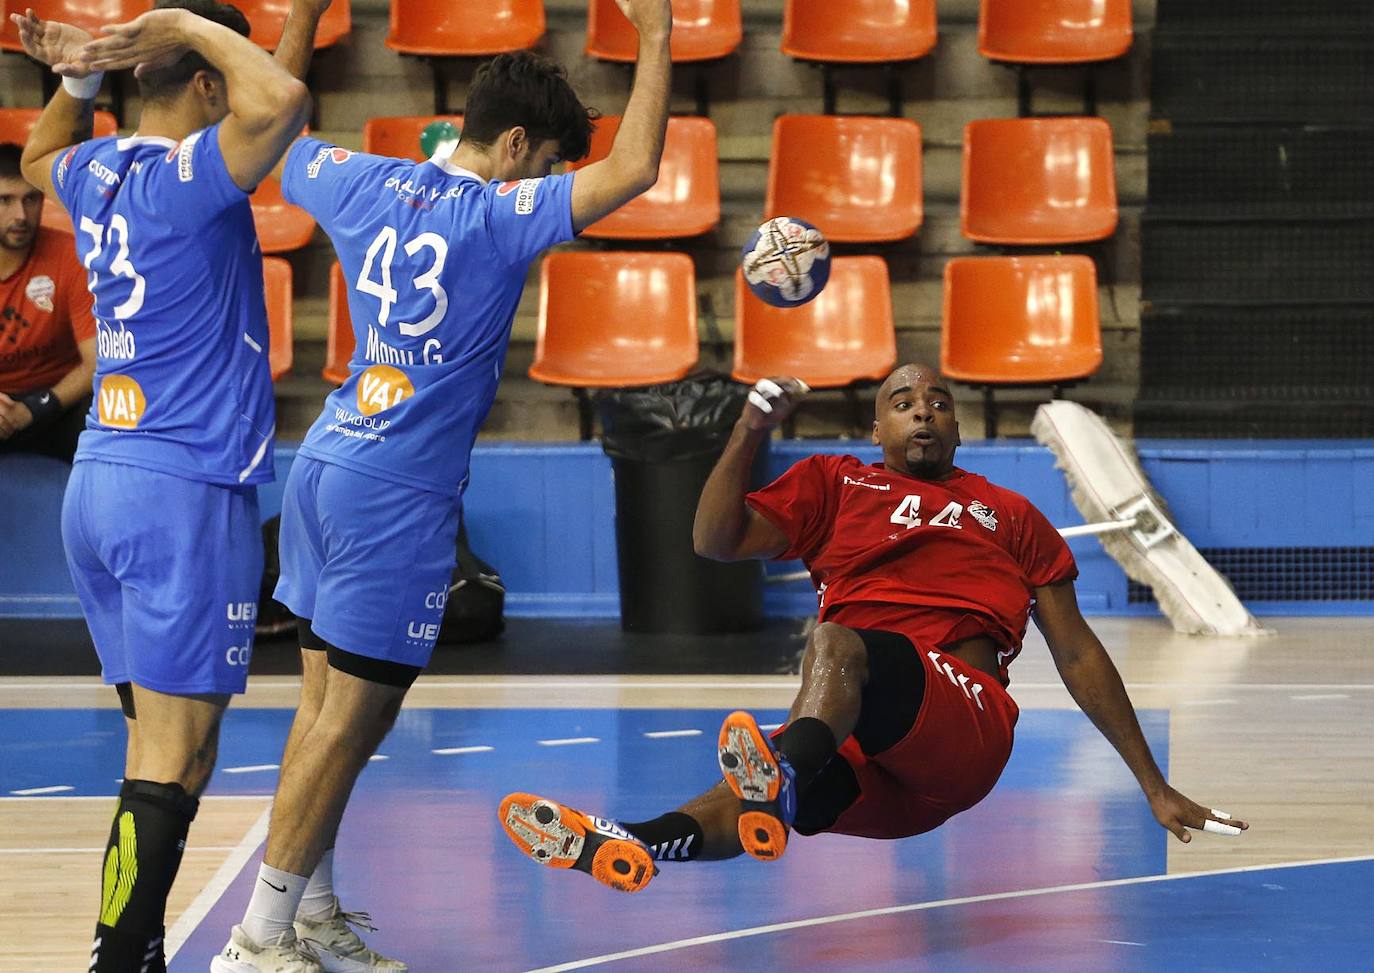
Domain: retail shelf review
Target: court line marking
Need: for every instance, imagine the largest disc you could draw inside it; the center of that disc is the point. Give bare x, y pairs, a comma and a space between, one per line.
920, 907
107, 797
568, 741
1322, 696
251, 768
219, 883
36, 791
668, 734
445, 751
93, 850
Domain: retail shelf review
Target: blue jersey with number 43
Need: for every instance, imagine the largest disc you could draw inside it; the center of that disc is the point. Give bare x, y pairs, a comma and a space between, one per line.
434, 260
182, 382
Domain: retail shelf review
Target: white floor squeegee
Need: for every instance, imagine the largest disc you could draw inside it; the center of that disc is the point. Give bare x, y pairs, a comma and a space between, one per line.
1131, 521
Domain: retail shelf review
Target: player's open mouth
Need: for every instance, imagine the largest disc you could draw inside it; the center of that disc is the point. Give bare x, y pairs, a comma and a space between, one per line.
924, 438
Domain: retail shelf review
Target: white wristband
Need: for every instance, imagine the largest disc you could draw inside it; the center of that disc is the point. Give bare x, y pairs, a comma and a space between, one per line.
84, 88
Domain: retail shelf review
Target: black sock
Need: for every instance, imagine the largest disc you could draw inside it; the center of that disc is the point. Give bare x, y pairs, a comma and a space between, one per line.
808, 744
674, 837
144, 852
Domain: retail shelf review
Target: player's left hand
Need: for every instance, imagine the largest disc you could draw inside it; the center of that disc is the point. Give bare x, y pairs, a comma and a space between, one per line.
149, 41
14, 416
55, 44
1177, 813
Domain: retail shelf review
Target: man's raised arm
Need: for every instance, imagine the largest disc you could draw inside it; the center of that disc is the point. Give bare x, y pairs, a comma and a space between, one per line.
69, 117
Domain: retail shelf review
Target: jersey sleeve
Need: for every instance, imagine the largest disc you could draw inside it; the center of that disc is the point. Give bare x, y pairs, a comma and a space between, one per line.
68, 169
190, 185
800, 503
319, 177
529, 216
1042, 553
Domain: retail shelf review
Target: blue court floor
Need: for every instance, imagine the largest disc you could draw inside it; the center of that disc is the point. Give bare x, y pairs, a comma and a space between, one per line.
1061, 869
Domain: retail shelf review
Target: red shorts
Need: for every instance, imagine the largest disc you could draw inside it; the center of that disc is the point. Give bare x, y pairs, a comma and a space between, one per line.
947, 763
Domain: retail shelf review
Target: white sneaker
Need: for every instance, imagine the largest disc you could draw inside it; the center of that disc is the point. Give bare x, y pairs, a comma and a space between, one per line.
287, 955
340, 948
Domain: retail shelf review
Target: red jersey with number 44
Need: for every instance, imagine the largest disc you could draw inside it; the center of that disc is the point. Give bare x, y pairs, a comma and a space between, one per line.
937, 561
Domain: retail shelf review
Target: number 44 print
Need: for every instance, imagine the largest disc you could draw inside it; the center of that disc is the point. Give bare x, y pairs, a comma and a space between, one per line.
908, 513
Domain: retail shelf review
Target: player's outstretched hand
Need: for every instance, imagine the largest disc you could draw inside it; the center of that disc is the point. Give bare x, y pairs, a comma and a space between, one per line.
150, 41
649, 17
772, 400
53, 43
1177, 813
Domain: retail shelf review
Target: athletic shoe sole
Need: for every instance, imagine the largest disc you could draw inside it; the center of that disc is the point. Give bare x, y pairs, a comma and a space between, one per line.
752, 771
561, 837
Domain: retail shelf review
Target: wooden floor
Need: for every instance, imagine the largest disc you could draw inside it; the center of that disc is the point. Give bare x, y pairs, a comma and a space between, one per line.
1275, 730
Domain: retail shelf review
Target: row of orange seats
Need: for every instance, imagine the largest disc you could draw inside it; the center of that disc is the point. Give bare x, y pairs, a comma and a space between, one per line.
614, 319
1026, 31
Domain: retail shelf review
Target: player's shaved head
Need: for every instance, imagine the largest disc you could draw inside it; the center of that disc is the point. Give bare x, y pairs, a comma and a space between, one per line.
915, 423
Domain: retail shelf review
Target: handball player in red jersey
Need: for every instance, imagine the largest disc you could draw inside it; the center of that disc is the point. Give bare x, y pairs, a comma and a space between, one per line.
927, 575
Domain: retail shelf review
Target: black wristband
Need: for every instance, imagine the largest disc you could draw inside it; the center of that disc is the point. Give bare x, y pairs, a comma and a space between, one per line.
44, 406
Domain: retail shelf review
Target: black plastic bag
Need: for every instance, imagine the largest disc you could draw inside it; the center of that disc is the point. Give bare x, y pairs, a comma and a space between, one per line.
676, 421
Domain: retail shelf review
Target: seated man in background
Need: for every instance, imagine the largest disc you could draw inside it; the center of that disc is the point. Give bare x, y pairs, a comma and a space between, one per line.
47, 331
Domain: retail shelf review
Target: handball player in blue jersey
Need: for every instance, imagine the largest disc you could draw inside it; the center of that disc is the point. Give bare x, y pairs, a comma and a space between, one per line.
160, 519
435, 255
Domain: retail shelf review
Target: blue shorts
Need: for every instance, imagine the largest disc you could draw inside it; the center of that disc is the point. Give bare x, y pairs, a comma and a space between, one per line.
168, 572
367, 561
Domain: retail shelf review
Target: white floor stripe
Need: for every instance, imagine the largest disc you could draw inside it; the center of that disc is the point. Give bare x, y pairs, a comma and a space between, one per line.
202, 904
36, 791
668, 734
1207, 702
919, 907
769, 727
251, 768
91, 851
1310, 696
568, 741
1120, 942
378, 756
112, 796
445, 751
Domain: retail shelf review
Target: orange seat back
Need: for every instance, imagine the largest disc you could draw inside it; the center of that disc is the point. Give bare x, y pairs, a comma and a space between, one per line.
1054, 31
702, 30
15, 126
1038, 181
473, 28
615, 319
266, 18
871, 31
686, 199
857, 179
1020, 320
276, 285
399, 135
281, 226
89, 15
339, 343
844, 335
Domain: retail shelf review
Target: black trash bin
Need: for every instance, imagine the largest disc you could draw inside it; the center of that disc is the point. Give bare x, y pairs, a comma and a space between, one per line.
663, 441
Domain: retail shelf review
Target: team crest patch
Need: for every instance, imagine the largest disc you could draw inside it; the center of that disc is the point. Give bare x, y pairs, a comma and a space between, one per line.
983, 514
40, 290
339, 156
506, 188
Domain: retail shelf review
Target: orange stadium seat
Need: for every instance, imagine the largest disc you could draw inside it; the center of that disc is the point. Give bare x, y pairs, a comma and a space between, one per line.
1038, 181
702, 30
266, 18
856, 178
276, 282
859, 31
339, 343
608, 320
1054, 31
686, 199
281, 226
89, 15
474, 28
15, 126
843, 336
1028, 320
399, 135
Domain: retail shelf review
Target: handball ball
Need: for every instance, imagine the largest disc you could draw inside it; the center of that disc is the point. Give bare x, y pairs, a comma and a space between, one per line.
786, 262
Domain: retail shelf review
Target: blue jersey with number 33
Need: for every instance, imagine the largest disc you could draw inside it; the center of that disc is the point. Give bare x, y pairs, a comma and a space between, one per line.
434, 260
182, 382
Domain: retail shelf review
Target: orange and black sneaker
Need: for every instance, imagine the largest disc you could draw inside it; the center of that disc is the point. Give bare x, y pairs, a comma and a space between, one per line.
763, 781
560, 837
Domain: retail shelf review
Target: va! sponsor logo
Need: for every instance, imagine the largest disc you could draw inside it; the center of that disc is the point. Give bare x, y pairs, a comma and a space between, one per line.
380, 387
121, 404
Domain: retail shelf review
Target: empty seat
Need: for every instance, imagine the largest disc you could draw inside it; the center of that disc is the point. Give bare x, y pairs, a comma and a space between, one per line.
864, 31
857, 179
1038, 181
686, 199
843, 336
474, 28
1054, 31
339, 343
615, 319
281, 226
702, 30
276, 284
15, 126
399, 135
89, 15
266, 18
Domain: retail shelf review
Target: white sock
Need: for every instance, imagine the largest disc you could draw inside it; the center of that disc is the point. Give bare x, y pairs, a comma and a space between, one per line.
318, 901
271, 910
